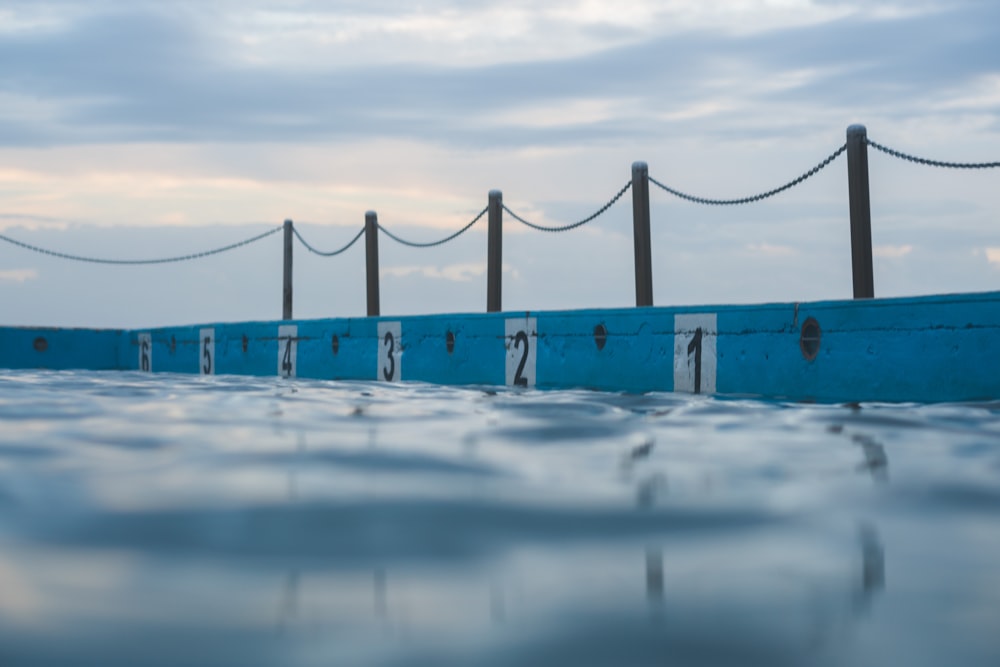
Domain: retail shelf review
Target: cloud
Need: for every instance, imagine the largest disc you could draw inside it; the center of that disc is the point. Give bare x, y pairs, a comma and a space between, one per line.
993, 255
461, 272
116, 116
771, 250
892, 251
455, 272
149, 73
17, 275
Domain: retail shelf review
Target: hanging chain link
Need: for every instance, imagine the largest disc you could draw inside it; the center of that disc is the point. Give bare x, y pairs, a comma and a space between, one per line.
563, 228
754, 198
566, 228
165, 260
414, 244
332, 253
933, 163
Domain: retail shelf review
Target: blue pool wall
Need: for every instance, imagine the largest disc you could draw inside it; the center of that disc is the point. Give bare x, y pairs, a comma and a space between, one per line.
935, 348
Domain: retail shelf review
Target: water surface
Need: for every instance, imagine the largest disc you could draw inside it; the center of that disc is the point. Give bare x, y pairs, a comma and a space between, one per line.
168, 520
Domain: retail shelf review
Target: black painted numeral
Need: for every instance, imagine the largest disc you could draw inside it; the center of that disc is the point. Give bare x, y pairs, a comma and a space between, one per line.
286, 359
390, 372
519, 379
694, 349
144, 356
206, 356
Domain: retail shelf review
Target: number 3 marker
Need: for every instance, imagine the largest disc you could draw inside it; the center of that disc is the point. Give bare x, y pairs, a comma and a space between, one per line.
390, 352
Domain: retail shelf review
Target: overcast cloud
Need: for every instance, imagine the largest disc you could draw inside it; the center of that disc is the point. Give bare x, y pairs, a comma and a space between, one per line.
138, 129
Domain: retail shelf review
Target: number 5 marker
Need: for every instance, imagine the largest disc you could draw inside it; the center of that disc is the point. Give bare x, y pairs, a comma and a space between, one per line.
206, 360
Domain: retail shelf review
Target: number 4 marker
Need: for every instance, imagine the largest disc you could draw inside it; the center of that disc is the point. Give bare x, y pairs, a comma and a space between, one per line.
288, 348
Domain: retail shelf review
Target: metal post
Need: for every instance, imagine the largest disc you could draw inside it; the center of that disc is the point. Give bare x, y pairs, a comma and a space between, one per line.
286, 303
371, 262
861, 214
494, 251
640, 234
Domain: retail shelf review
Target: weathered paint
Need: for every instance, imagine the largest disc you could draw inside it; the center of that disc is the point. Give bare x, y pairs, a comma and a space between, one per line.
61, 349
936, 348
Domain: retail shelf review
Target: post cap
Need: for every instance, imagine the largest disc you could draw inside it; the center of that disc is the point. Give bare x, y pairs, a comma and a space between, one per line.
496, 194
640, 166
857, 130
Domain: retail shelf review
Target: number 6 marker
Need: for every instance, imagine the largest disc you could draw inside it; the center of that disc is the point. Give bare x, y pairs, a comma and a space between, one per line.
145, 353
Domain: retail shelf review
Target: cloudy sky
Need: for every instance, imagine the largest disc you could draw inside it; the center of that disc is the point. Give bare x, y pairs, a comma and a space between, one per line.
139, 129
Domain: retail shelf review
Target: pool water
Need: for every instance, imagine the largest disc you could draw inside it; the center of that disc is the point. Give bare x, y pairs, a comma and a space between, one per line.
183, 520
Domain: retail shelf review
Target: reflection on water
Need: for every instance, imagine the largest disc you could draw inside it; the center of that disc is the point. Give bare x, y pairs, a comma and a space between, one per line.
875, 461
289, 607
654, 575
245, 521
872, 564
379, 591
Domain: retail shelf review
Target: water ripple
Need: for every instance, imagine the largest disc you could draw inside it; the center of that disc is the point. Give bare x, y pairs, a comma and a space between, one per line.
245, 521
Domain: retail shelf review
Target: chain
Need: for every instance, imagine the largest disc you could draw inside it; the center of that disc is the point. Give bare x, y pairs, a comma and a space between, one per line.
327, 254
166, 260
414, 244
698, 200
933, 163
566, 228
754, 198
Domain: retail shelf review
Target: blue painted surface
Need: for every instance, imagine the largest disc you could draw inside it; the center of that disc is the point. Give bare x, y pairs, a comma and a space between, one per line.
935, 348
61, 349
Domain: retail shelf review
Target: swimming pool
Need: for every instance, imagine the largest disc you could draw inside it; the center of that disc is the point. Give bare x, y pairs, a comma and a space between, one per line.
223, 520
